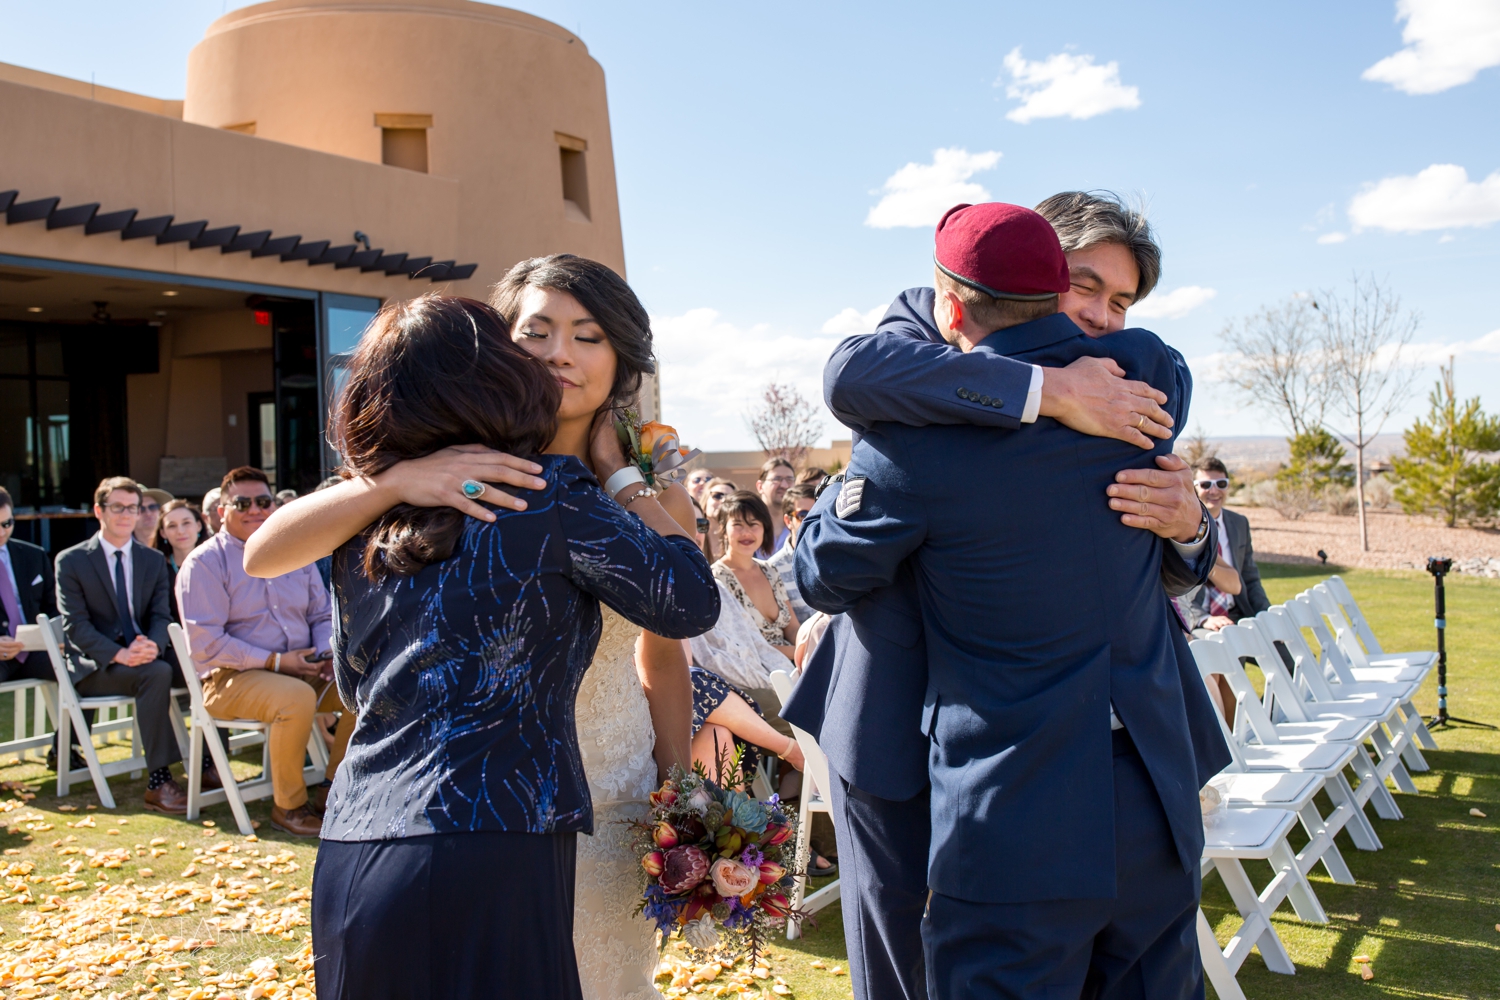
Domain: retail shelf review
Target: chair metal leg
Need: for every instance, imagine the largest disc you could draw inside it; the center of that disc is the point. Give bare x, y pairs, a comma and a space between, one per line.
1215, 968
86, 744
1299, 893
1361, 831
1256, 932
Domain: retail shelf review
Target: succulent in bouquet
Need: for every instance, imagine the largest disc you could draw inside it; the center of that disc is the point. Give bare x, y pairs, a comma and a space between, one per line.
718, 863
654, 448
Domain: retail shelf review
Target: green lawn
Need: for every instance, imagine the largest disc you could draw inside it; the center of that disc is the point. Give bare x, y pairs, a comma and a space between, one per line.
1425, 908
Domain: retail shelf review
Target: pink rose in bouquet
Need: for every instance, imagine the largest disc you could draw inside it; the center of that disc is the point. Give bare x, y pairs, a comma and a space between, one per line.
683, 868
732, 878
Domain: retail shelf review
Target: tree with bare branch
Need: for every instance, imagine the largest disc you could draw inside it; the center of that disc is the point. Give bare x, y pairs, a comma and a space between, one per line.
784, 422
1280, 364
1364, 332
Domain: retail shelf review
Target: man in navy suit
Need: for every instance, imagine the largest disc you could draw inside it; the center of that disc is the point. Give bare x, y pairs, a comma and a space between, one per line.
1044, 624
25, 591
860, 692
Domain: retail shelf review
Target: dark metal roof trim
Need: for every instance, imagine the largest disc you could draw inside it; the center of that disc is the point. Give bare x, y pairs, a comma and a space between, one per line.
228, 239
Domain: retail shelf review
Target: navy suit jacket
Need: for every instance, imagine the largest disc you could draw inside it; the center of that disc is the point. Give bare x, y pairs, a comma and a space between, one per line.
1037, 616
861, 691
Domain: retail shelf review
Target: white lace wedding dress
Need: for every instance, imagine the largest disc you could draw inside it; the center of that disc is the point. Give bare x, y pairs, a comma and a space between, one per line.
616, 947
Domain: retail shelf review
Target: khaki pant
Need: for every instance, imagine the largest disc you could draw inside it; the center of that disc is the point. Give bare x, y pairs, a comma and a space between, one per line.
287, 704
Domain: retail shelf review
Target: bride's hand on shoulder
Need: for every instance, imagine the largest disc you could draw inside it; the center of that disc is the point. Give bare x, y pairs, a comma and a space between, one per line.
437, 480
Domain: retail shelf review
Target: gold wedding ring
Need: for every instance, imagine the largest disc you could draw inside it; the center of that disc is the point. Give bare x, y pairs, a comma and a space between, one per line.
1140, 421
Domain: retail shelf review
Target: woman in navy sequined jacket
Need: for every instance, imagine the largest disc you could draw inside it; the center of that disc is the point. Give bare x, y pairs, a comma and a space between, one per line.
448, 846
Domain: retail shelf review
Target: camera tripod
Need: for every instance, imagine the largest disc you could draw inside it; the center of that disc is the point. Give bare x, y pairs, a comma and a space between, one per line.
1439, 568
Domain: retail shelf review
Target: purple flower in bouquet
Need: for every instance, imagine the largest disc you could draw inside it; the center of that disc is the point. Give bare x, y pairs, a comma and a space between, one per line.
740, 916
750, 857
661, 910
685, 867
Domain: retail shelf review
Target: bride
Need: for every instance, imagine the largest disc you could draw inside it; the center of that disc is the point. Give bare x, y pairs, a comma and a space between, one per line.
634, 707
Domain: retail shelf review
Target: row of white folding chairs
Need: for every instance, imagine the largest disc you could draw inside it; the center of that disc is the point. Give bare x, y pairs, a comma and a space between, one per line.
1274, 758
65, 707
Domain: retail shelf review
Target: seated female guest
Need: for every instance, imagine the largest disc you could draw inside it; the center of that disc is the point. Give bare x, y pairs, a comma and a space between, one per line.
179, 531
462, 643
745, 524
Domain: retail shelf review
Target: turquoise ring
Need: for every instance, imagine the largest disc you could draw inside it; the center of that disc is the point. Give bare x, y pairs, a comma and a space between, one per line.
473, 489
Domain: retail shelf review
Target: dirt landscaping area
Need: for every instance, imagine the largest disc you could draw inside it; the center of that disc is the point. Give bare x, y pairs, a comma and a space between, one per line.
1396, 540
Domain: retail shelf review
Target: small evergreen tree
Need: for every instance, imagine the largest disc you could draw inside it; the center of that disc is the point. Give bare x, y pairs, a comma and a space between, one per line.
1442, 473
1317, 462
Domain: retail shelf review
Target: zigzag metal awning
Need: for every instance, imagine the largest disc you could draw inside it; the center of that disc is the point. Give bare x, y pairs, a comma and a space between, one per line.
229, 239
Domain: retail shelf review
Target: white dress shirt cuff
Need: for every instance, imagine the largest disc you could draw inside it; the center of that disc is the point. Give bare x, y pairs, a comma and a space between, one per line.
1191, 550
1033, 396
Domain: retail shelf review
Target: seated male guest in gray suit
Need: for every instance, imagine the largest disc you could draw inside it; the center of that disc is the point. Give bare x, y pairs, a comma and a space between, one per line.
25, 592
112, 592
1238, 593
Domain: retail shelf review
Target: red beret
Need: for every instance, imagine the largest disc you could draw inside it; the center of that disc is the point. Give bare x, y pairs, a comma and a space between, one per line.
1005, 251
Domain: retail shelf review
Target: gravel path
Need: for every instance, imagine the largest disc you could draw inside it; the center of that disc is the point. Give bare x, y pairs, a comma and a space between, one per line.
1396, 541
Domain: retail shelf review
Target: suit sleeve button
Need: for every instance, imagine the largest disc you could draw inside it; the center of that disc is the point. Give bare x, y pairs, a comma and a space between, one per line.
998, 404
963, 394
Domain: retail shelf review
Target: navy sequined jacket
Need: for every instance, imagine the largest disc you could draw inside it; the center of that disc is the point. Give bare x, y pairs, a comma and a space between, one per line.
464, 674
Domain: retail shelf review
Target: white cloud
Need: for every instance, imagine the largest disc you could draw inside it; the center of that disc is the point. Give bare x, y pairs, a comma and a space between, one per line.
1447, 43
1333, 238
1438, 353
851, 320
918, 194
1174, 304
1440, 197
1065, 85
712, 370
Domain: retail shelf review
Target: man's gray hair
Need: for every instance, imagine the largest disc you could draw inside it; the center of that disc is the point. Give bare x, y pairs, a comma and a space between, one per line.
1086, 219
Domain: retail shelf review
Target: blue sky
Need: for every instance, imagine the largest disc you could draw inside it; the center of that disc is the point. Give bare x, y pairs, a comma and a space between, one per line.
751, 149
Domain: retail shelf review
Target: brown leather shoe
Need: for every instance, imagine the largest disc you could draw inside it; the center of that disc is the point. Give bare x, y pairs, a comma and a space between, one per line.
299, 822
169, 798
211, 779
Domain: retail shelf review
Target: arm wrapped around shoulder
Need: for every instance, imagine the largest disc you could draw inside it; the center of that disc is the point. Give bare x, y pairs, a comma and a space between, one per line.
662, 584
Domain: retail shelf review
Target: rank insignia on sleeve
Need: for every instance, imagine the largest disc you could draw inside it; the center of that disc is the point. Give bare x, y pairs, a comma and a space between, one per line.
851, 494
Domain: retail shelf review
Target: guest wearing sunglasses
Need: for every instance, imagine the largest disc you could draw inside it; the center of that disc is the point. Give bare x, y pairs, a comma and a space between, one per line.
257, 643
714, 495
152, 502
1234, 589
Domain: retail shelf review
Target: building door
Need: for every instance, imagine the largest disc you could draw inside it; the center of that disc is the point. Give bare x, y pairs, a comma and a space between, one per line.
298, 432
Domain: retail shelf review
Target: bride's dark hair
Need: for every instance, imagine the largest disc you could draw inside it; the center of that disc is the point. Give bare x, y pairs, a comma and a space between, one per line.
428, 373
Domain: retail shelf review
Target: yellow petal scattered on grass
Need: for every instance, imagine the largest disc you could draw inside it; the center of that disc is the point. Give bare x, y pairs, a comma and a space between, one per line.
837, 970
1476, 812
1366, 973
1362, 959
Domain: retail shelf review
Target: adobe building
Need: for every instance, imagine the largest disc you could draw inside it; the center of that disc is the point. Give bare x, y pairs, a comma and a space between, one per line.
178, 279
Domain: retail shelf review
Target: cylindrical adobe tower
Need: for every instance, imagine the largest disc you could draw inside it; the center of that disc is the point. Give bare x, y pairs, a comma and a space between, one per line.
509, 107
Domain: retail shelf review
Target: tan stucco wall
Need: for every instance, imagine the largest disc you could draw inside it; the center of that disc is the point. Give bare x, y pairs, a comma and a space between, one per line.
498, 84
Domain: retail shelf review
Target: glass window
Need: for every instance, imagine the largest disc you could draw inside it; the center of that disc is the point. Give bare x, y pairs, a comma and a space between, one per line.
345, 327
13, 353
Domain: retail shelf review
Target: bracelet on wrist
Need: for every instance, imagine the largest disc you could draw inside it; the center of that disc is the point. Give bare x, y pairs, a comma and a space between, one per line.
623, 478
644, 491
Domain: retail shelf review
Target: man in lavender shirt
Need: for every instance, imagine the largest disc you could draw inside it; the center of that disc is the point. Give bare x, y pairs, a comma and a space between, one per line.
256, 644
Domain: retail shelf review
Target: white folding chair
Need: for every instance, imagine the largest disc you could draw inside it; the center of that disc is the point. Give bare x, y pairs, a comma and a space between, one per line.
814, 799
206, 731
1328, 681
1355, 667
1374, 651
1297, 722
69, 716
41, 692
1248, 835
1280, 760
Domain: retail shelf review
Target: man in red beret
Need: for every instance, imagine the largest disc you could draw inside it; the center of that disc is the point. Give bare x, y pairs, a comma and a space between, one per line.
898, 531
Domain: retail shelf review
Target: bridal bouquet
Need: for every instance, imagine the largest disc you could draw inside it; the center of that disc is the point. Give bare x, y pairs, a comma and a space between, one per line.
717, 862
653, 448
